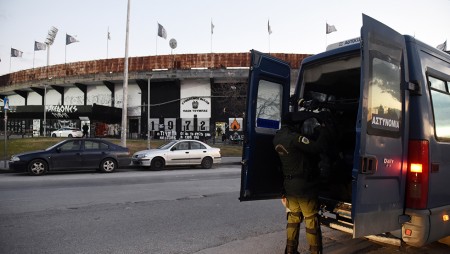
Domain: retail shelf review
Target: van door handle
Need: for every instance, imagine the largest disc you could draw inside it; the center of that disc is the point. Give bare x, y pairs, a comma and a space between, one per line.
368, 165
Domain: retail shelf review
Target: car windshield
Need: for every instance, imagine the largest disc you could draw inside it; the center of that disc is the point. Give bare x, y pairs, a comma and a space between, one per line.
167, 145
55, 145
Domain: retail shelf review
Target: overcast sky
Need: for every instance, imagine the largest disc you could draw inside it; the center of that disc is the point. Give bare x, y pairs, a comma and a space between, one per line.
239, 25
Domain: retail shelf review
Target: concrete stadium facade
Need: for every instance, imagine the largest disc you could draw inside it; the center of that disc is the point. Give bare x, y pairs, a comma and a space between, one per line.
196, 96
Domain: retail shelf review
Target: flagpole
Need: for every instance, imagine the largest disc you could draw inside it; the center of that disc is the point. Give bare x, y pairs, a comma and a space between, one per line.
65, 52
211, 34
269, 31
34, 54
107, 43
326, 33
156, 39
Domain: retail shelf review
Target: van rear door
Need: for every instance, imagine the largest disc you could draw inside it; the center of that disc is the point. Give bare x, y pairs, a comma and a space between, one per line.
267, 100
379, 170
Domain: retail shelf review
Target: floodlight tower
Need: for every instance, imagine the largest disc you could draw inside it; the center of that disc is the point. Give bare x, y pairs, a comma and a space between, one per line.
49, 41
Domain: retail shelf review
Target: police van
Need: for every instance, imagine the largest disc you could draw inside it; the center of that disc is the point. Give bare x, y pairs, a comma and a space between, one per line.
389, 99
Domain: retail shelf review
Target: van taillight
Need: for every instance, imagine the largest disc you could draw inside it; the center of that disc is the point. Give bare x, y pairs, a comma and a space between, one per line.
417, 177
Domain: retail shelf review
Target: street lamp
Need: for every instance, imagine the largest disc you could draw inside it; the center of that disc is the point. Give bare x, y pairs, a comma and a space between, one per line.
149, 77
45, 110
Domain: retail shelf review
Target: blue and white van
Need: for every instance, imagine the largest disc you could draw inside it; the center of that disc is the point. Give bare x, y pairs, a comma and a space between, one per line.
389, 95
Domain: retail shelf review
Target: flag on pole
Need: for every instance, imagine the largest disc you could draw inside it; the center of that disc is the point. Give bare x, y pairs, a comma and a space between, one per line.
269, 29
70, 39
39, 46
330, 28
162, 31
16, 53
442, 46
212, 27
109, 35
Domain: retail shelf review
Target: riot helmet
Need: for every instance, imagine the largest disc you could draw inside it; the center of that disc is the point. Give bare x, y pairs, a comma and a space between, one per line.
309, 128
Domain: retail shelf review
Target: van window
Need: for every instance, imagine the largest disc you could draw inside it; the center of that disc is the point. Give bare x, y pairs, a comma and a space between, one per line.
437, 84
440, 99
268, 106
384, 104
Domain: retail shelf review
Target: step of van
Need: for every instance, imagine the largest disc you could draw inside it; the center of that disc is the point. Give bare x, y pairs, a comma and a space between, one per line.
336, 214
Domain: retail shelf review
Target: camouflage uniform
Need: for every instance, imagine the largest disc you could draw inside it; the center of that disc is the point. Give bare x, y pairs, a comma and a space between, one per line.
299, 157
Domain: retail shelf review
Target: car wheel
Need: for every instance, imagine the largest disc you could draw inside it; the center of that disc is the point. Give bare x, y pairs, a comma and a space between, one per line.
207, 162
157, 164
108, 165
53, 135
70, 136
37, 167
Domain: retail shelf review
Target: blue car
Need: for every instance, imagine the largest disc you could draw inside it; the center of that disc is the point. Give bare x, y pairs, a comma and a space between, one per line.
73, 154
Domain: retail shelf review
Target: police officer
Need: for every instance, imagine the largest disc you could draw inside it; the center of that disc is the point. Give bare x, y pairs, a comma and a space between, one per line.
298, 145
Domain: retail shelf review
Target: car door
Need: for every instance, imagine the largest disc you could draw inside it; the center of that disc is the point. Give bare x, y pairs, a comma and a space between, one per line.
382, 130
179, 154
67, 156
267, 100
93, 153
197, 152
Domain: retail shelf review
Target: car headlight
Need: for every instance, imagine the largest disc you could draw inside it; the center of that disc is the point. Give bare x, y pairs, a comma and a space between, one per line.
139, 156
15, 158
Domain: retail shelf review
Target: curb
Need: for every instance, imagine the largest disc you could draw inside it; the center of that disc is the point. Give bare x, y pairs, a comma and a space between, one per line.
231, 161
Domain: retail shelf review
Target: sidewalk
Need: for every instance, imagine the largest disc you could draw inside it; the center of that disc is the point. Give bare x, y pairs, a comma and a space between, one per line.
4, 168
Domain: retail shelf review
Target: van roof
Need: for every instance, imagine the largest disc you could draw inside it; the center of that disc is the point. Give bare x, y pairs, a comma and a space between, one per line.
356, 40
333, 52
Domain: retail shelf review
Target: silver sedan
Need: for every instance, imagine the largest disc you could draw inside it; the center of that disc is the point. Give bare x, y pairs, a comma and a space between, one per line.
67, 132
178, 153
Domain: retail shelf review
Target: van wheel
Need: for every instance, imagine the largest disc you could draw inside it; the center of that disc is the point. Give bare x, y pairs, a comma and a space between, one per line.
108, 165
70, 135
157, 164
207, 162
37, 167
53, 135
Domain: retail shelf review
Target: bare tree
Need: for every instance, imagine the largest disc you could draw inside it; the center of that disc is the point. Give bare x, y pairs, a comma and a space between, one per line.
231, 96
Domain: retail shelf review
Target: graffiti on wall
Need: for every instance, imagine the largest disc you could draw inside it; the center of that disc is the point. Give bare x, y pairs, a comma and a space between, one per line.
61, 111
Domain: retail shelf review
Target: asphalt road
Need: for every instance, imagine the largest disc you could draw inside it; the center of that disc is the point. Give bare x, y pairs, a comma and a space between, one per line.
137, 211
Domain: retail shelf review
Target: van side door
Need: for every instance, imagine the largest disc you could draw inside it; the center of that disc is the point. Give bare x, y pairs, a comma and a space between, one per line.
379, 171
267, 100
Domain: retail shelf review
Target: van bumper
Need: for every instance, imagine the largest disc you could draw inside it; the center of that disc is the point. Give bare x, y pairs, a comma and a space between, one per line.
426, 226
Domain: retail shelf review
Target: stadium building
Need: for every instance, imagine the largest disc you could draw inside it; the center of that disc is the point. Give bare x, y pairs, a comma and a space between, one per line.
198, 96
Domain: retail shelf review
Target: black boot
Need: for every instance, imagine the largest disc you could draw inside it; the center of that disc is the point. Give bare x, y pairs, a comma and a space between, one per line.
290, 249
315, 249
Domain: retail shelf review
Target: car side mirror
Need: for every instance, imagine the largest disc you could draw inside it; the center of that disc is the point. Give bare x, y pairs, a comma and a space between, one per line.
173, 149
58, 149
